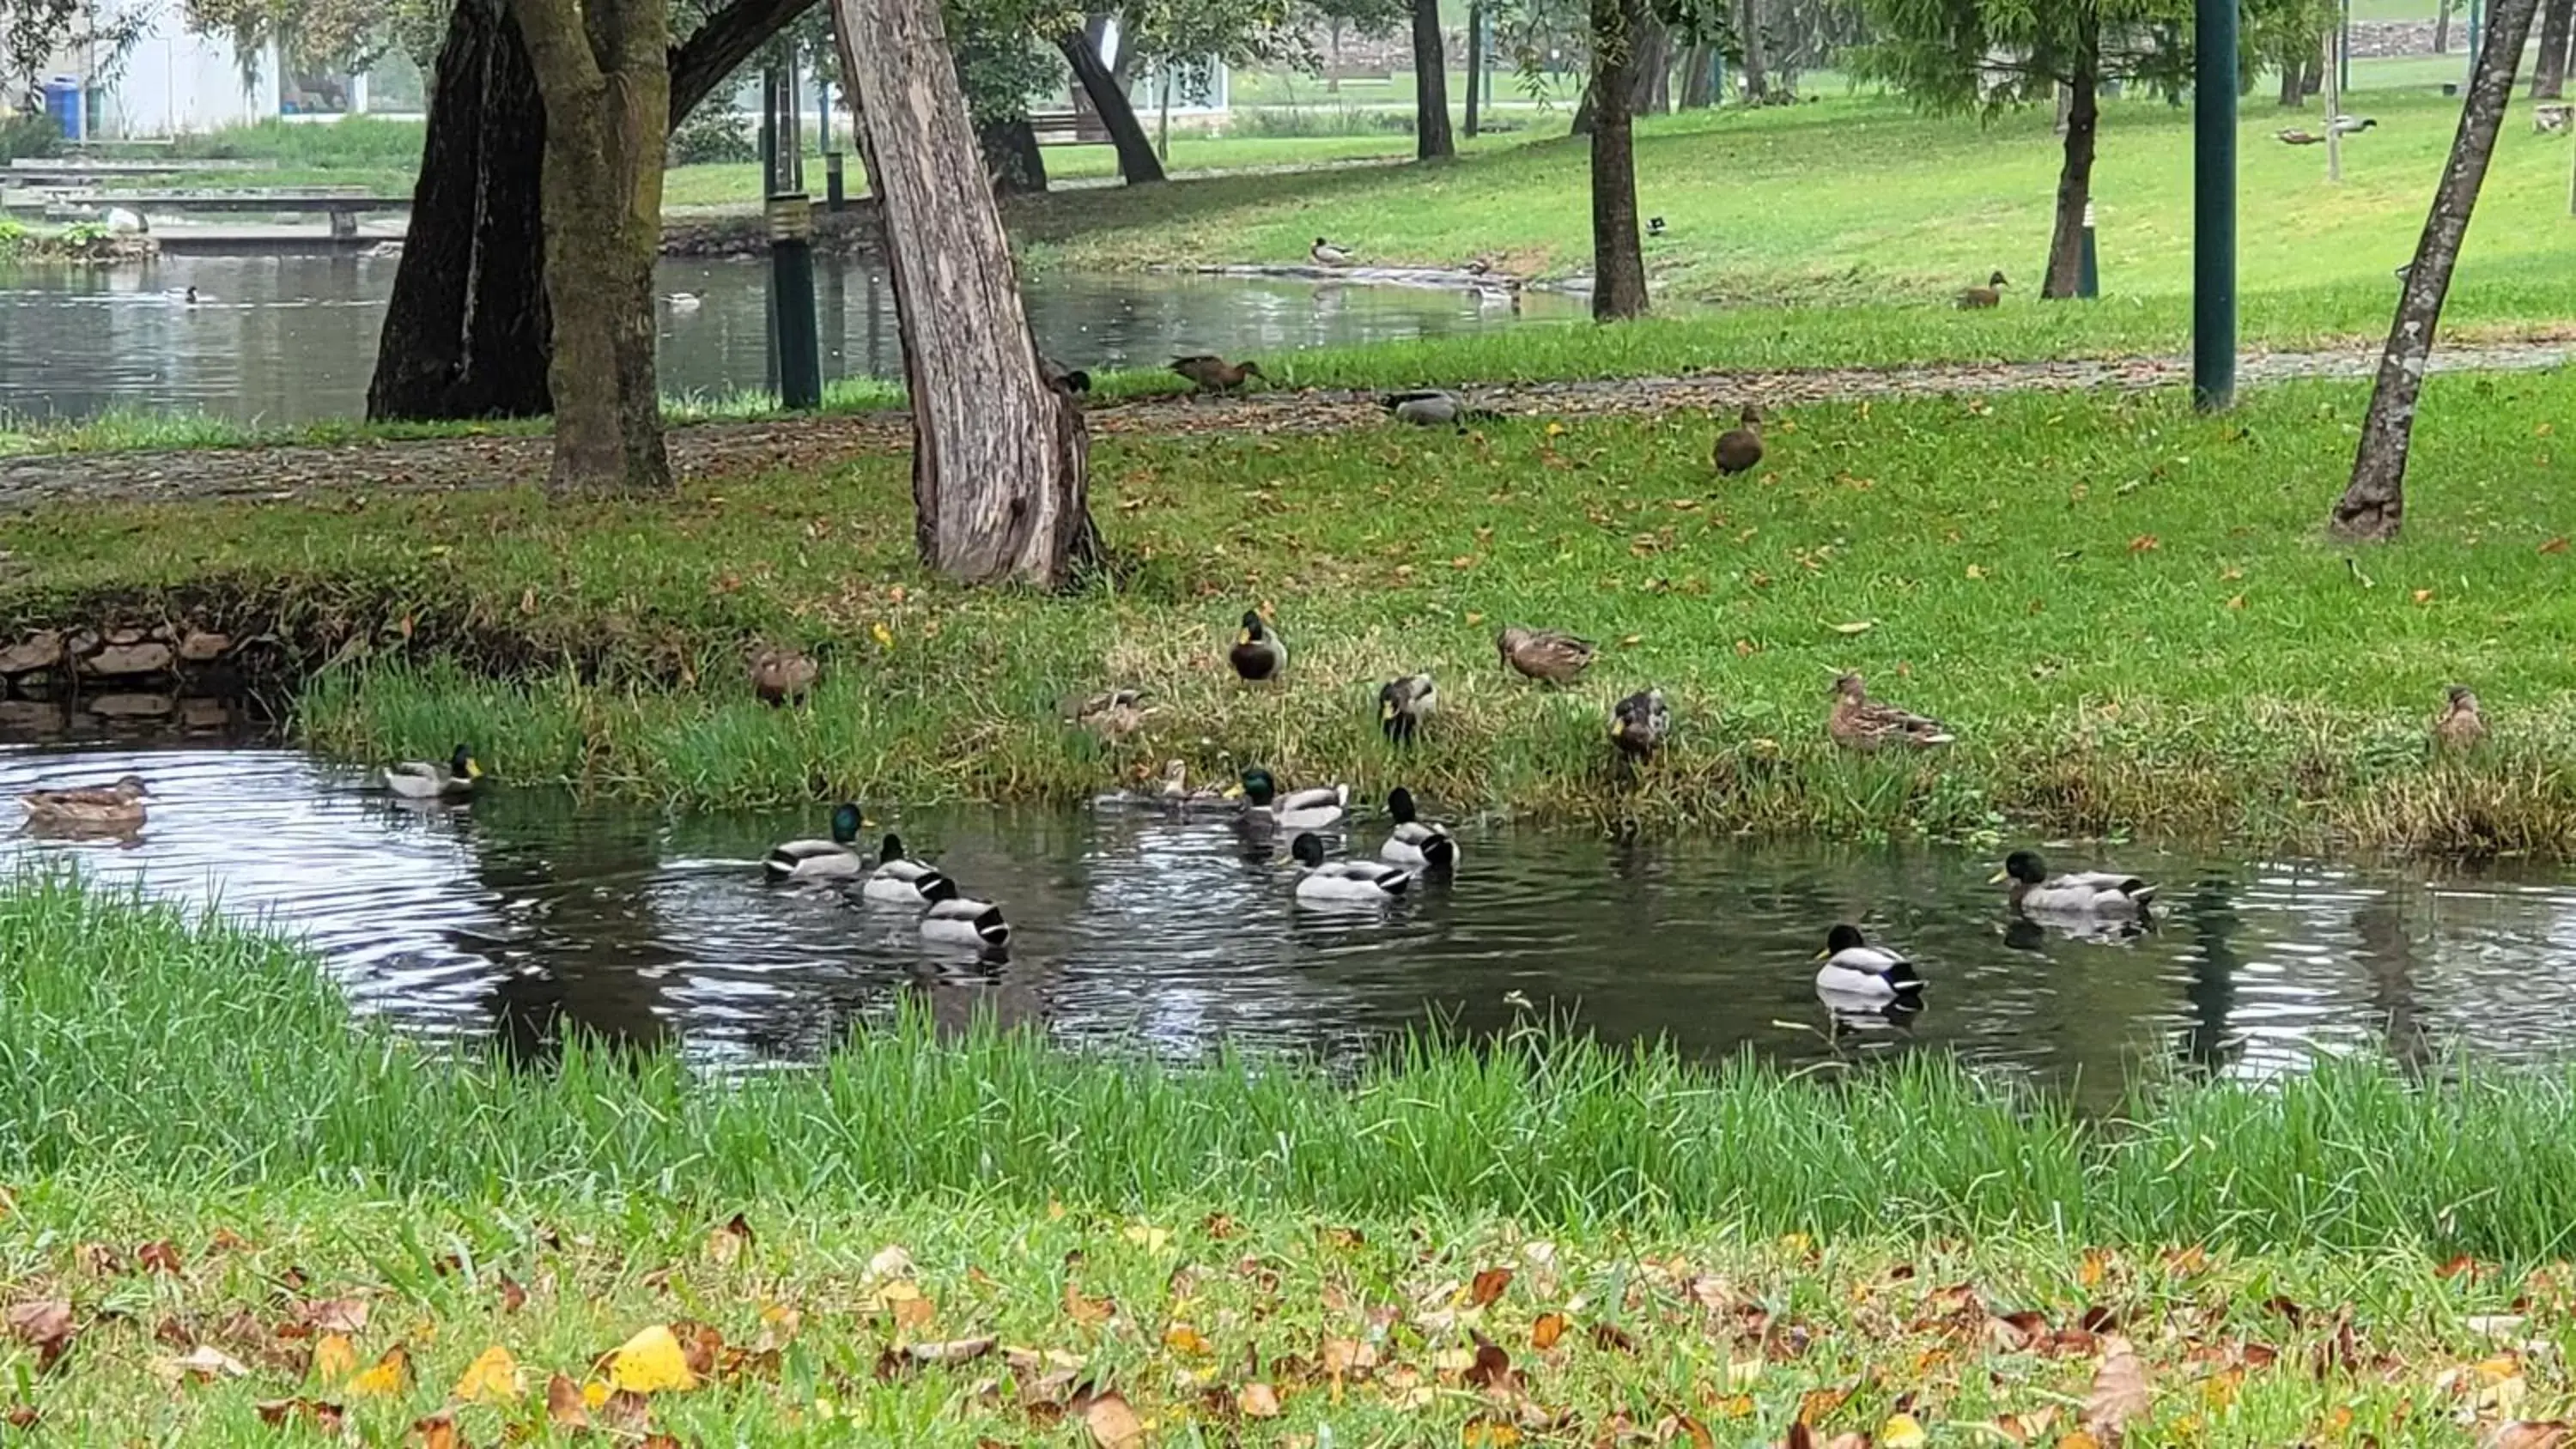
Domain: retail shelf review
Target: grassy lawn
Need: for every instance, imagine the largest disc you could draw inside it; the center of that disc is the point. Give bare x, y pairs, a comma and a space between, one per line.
2127, 612
225, 1195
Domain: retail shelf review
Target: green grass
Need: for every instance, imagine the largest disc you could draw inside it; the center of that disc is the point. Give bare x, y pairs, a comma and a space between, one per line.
2128, 612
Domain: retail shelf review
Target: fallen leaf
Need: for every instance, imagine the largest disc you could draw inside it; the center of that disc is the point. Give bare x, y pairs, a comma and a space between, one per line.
333, 1358
1257, 1401
388, 1376
1488, 1434
438, 1431
160, 1257
2119, 1389
890, 1261
1901, 1431
625, 1412
513, 1297
1695, 1431
726, 1243
651, 1362
202, 1364
493, 1377
2529, 1434
21, 1416
1113, 1425
325, 1417
337, 1315
1491, 1368
565, 1407
45, 1326
951, 1351
1487, 1286
2145, 543
1145, 1235
1549, 1328
2423, 596
2555, 545
1857, 626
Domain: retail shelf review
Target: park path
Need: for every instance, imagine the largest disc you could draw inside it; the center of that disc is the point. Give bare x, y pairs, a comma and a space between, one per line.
727, 449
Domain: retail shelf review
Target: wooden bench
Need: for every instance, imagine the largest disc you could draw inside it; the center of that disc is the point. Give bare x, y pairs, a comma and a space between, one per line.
1068, 128
343, 208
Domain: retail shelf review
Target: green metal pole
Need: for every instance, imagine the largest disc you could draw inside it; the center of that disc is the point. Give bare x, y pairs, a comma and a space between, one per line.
791, 291
2213, 247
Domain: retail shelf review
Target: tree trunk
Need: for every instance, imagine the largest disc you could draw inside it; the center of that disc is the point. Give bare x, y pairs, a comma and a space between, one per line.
2373, 506
1699, 75
2075, 172
1618, 260
604, 68
1584, 116
998, 458
1430, 86
1137, 163
1475, 63
1011, 157
466, 330
1748, 29
2442, 27
2294, 91
2549, 72
1650, 68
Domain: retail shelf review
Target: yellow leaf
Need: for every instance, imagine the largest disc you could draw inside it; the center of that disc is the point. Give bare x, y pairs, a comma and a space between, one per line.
1901, 1431
492, 1378
1147, 1236
1181, 1338
333, 1358
594, 1394
390, 1375
884, 635
1976, 572
650, 1363
1733, 1406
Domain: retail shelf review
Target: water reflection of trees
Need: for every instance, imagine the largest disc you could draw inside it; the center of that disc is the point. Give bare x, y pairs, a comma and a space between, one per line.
2387, 950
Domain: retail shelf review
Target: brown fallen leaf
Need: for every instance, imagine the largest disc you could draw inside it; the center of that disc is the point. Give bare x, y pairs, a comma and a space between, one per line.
1487, 1286
952, 1351
2119, 1390
388, 1376
336, 1315
1257, 1401
203, 1364
1549, 1328
438, 1431
323, 1416
1492, 1368
44, 1325
22, 1416
513, 1297
1113, 1425
334, 1358
625, 1412
160, 1257
2529, 1434
1611, 1338
564, 1406
726, 1243
2555, 545
1695, 1431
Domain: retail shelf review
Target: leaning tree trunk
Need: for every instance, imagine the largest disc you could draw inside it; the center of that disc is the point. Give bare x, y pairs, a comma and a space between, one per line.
466, 330
1699, 77
1430, 86
1618, 260
998, 457
2442, 27
1748, 30
604, 67
2075, 172
2557, 29
1650, 68
1011, 156
2373, 505
1137, 162
1475, 63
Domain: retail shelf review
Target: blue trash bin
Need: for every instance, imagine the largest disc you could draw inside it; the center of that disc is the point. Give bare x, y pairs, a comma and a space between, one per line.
63, 104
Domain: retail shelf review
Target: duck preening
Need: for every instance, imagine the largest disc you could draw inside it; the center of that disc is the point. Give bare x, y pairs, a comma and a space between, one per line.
1325, 254
431, 779
1859, 722
1405, 705
1739, 448
1855, 969
1551, 656
1214, 374
1319, 807
2102, 895
959, 921
1429, 407
93, 807
837, 858
1989, 295
1344, 880
1639, 723
1257, 654
1415, 841
901, 881
782, 676
2459, 726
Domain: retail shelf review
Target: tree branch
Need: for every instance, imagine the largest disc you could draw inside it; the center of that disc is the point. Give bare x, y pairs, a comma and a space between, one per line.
712, 51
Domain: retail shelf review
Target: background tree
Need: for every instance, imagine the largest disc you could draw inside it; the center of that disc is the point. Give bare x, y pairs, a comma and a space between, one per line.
1618, 258
2289, 37
1102, 84
2557, 30
1430, 86
348, 36
603, 68
2373, 505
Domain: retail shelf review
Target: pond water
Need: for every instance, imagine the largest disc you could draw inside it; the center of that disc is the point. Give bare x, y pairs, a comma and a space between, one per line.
291, 339
527, 910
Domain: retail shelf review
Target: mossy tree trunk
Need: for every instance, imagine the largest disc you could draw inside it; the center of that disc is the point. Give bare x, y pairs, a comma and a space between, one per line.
2373, 505
604, 69
998, 458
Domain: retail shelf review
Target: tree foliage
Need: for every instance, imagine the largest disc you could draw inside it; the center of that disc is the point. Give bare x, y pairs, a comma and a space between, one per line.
1961, 55
346, 35
31, 31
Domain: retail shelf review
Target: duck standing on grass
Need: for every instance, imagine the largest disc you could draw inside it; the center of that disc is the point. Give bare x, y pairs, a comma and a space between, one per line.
2092, 895
1638, 725
1414, 841
1855, 970
1405, 705
1739, 448
782, 676
1325, 254
835, 859
1257, 654
1344, 880
1430, 407
1550, 656
899, 880
1859, 722
1978, 298
1214, 374
431, 779
2460, 726
1320, 807
117, 807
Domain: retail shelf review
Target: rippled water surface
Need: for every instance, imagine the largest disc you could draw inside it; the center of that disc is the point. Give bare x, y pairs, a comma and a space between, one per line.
526, 910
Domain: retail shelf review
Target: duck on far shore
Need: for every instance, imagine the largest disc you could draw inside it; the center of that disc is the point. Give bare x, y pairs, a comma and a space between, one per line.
1257, 654
1989, 295
1325, 254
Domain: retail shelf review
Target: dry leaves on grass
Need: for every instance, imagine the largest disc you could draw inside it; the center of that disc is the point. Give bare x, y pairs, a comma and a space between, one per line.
2119, 1391
651, 1362
1112, 1424
45, 1326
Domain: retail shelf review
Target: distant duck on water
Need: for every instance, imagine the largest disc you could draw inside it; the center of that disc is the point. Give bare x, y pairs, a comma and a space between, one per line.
434, 779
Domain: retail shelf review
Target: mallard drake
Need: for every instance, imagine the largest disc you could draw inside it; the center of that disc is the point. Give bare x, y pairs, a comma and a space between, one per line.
430, 779
835, 859
900, 881
1479, 266
1214, 374
1429, 407
1739, 449
92, 807
2105, 895
1320, 807
1405, 705
1856, 969
1551, 656
1325, 254
958, 921
1415, 841
1861, 723
2350, 125
1655, 226
1114, 714
1989, 295
2459, 726
1639, 723
1344, 880
1257, 654
781, 676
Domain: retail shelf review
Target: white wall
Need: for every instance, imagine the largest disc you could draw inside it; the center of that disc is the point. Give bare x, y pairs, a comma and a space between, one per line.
175, 80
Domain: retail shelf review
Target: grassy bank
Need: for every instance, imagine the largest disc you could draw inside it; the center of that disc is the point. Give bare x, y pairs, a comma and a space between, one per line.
203, 1153
2127, 612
